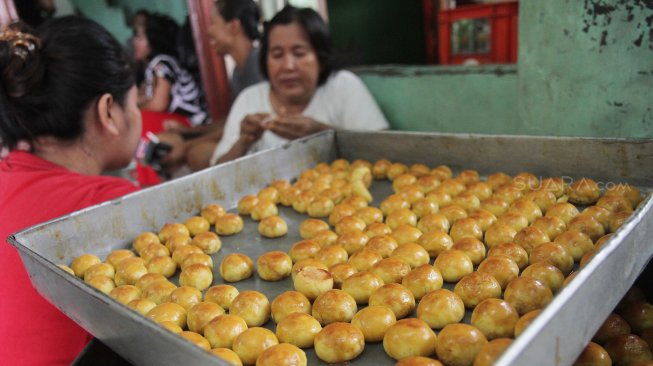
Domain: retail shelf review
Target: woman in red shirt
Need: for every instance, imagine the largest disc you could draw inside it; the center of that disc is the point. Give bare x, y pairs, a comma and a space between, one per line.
68, 92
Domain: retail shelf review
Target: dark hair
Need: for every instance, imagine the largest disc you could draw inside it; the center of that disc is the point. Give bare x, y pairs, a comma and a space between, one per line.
316, 29
47, 83
246, 11
161, 32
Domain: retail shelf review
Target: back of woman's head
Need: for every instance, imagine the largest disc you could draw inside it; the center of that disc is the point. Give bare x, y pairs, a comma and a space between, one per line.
246, 11
316, 30
49, 79
161, 32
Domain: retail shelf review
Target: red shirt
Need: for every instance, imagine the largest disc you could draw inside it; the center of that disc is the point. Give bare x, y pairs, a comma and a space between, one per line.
33, 190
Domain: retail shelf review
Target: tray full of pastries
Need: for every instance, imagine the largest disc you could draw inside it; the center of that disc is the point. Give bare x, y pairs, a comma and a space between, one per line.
366, 248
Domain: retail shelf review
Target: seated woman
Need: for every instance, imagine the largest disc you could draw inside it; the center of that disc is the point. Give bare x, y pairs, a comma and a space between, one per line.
168, 87
67, 94
303, 96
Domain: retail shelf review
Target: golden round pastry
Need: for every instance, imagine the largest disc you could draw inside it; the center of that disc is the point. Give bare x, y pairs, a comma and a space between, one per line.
177, 240
334, 306
428, 183
552, 226
143, 306
284, 354
496, 318
634, 294
613, 326
168, 312
357, 202
527, 294
163, 265
129, 271
376, 229
530, 238
349, 223
396, 297
143, 239
542, 198
252, 306
467, 200
185, 296
200, 314
499, 233
593, 355
411, 193
525, 320
527, 208
631, 193
451, 187
391, 270
246, 204
498, 179
472, 247
468, 177
272, 227
197, 225
171, 327
422, 280
453, 265
153, 250
208, 241
341, 211
339, 342
409, 337
270, 194
403, 180
264, 208
435, 242
647, 336
325, 238
501, 267
395, 170
273, 266
575, 242
196, 339
340, 164
170, 229
148, 279
197, 258
512, 251
590, 226
309, 227
118, 255
251, 343
353, 241
222, 295
563, 210
401, 216
364, 259
393, 202
125, 293
628, 349
374, 321
85, 261
453, 213
369, 215
569, 278
526, 181
514, 219
586, 258
159, 291
482, 190
341, 272
227, 355
458, 344
440, 197
361, 285
440, 307
443, 172
332, 255
380, 169
508, 193
196, 275
495, 205
382, 244
236, 267
321, 206
584, 192
639, 314
618, 219
424, 206
102, 283
555, 185
310, 262
212, 211
413, 254
181, 252
555, 254
600, 214
66, 268
223, 329
433, 222
406, 234
491, 352
476, 287
546, 273
287, 303
99, 269
304, 249
298, 329
313, 281
483, 217
228, 224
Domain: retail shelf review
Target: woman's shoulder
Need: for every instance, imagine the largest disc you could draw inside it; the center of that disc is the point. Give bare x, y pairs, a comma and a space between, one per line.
254, 95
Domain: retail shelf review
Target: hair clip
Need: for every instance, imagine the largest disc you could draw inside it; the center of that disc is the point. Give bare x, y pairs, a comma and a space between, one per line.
22, 44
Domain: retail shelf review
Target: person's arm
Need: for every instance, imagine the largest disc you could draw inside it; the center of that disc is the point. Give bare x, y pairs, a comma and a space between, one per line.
160, 99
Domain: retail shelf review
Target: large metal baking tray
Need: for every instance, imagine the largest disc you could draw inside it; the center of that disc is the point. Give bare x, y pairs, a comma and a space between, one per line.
555, 338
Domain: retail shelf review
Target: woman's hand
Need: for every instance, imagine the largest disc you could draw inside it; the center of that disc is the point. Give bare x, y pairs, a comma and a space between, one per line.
251, 128
296, 126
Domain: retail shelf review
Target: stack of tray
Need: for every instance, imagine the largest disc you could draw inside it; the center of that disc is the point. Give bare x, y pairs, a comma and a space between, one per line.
556, 337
